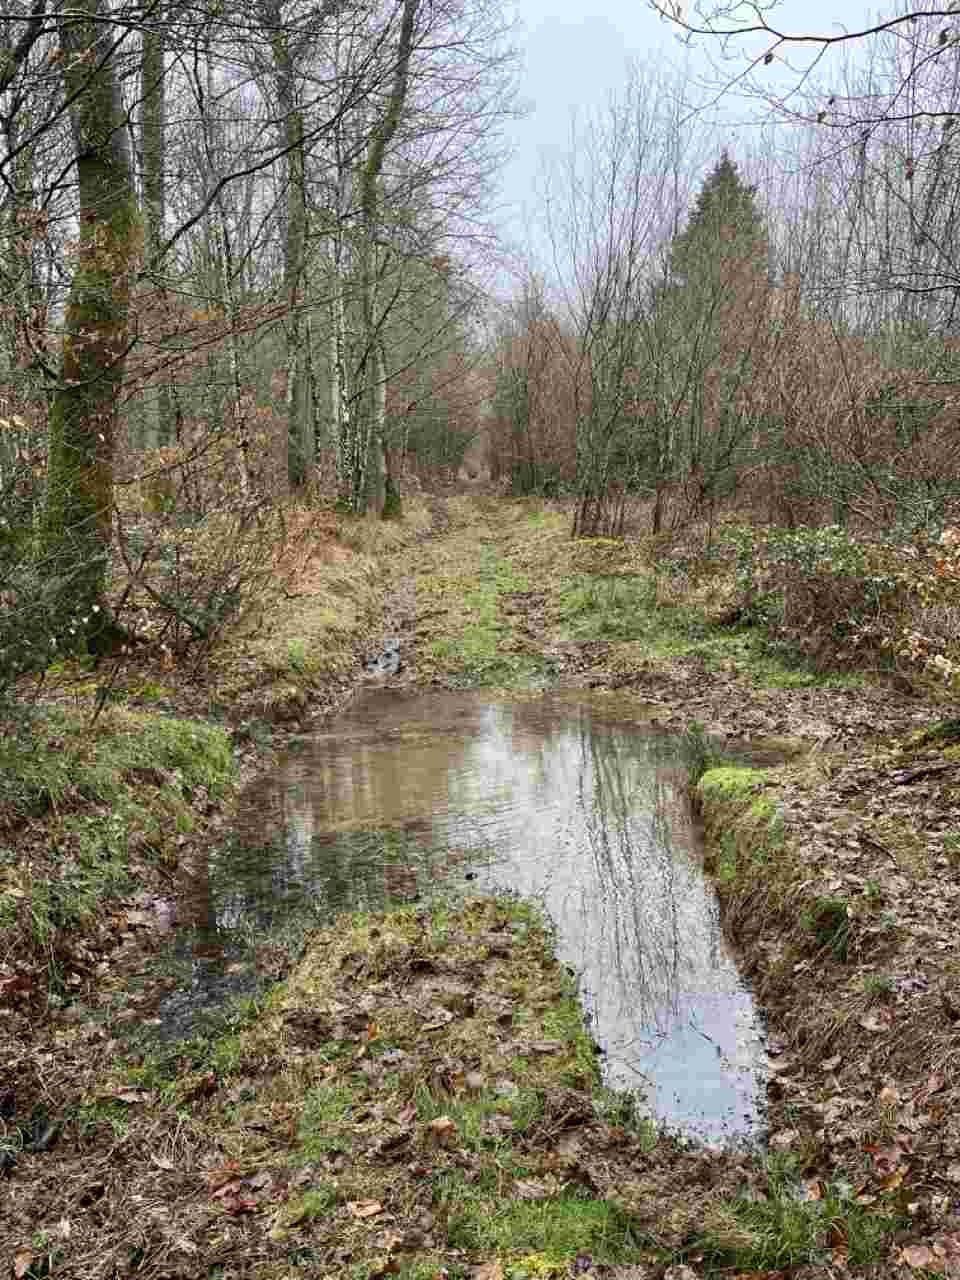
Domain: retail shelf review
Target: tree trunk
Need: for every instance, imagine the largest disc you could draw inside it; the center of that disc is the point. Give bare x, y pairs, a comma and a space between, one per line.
153, 149
79, 508
368, 441
294, 248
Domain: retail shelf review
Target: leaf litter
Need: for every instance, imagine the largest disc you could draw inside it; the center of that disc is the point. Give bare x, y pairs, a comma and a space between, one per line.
358, 1083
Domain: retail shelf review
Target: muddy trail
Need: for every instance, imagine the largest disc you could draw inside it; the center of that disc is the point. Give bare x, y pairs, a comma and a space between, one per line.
404, 1083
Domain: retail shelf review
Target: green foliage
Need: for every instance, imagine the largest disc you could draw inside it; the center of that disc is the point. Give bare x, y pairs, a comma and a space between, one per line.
37, 774
827, 919
559, 1228
824, 591
724, 221
35, 622
609, 606
787, 1228
699, 753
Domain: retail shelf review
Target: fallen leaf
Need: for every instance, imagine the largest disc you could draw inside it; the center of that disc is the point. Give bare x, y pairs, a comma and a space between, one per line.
530, 1189
545, 1046
364, 1208
133, 1096
443, 1129
225, 1173
487, 1271
879, 1021
917, 1255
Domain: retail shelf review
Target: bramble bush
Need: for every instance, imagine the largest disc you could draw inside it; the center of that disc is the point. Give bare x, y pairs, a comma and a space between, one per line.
837, 597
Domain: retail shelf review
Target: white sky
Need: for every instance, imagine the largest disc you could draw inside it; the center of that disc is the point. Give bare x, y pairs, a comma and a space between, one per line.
577, 51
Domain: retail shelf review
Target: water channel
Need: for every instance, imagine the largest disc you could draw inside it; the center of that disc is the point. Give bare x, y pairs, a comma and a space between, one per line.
559, 796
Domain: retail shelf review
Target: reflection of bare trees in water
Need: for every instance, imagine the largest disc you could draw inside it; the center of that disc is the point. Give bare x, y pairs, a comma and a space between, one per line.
626, 813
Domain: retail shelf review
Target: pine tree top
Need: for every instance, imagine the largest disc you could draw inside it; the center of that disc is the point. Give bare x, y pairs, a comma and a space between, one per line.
724, 214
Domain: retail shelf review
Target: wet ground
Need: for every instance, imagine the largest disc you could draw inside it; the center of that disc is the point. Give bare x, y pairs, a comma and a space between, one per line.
547, 795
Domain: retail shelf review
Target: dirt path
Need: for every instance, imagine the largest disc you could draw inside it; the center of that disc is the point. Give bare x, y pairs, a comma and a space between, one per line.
387, 1110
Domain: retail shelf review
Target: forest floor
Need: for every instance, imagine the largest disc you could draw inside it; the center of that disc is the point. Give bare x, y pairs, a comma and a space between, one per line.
418, 1096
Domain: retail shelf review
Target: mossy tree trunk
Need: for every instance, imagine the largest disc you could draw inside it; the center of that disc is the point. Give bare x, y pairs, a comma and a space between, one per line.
79, 505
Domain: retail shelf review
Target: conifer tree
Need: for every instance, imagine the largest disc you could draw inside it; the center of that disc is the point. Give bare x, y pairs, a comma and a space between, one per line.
704, 329
725, 227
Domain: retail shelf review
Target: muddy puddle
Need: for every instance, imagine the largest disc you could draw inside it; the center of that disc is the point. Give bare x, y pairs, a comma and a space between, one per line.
552, 796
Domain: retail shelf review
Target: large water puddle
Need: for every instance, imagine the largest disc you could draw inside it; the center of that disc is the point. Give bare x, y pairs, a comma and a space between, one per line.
551, 796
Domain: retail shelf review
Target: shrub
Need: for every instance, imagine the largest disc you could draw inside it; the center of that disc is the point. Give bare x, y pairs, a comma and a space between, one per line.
836, 597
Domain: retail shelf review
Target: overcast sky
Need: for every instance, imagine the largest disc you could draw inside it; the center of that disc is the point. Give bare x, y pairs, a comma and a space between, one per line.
576, 51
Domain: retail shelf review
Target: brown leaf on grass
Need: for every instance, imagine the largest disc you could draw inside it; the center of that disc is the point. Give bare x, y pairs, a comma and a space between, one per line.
389, 1267
919, 1256
487, 1271
22, 1262
878, 1021
132, 1096
545, 1046
530, 1189
224, 1174
364, 1208
202, 1087
443, 1130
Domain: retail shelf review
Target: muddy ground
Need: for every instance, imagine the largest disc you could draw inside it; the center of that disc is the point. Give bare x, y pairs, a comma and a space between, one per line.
326, 1131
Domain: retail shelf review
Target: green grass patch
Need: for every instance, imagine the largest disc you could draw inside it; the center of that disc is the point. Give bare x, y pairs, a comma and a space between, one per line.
92, 803
790, 1228
828, 923
598, 606
477, 644
743, 825
65, 761
556, 1230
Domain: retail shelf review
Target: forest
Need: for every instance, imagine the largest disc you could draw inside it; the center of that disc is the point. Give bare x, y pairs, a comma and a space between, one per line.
291, 422
251, 267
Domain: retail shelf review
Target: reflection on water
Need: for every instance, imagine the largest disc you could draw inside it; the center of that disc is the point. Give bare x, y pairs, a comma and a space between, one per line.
550, 797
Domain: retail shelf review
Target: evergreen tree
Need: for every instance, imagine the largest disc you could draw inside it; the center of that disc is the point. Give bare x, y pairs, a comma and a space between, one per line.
725, 229
705, 328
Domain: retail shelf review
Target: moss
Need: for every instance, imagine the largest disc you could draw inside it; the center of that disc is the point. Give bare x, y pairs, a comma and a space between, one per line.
744, 831
729, 781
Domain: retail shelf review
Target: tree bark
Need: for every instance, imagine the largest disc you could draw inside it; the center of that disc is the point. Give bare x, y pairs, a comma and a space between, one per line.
79, 507
369, 444
153, 110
